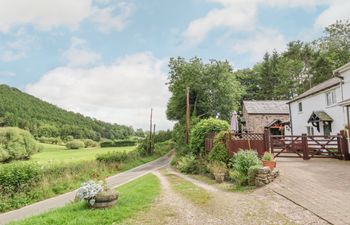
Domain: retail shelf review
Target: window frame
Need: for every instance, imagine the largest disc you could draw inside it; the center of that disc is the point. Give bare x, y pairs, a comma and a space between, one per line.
300, 107
331, 98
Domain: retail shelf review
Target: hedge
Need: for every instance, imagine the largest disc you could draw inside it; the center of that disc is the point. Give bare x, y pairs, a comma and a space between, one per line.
118, 143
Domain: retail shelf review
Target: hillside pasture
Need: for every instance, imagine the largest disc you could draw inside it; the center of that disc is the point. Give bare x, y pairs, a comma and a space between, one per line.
56, 153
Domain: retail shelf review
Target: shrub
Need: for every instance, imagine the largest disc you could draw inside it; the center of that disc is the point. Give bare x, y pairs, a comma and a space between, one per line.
201, 129
17, 177
252, 171
117, 143
146, 147
90, 143
242, 161
187, 164
107, 143
50, 140
267, 156
217, 167
75, 144
15, 144
237, 177
218, 153
115, 157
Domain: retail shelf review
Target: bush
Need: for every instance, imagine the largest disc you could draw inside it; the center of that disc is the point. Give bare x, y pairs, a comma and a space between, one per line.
252, 171
146, 147
241, 162
90, 143
50, 140
75, 144
15, 144
117, 143
187, 164
238, 178
115, 157
267, 156
218, 153
203, 128
17, 177
217, 167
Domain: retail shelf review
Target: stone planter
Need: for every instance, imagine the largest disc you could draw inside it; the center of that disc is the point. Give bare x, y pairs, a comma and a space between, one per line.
270, 164
105, 199
219, 177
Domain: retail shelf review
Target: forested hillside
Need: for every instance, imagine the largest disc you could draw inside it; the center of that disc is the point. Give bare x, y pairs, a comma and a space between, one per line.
42, 119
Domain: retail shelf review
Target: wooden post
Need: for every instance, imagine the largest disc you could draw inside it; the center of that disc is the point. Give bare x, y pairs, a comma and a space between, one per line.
266, 141
187, 112
305, 147
150, 131
344, 145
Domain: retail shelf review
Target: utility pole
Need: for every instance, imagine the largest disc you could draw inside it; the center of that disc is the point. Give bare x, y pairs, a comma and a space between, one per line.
187, 112
150, 130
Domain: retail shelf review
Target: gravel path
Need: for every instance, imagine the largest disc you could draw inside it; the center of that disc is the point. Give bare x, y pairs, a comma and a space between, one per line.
259, 207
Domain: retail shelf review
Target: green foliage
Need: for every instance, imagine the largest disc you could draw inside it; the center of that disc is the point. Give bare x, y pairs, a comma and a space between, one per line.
90, 143
241, 162
162, 136
204, 127
252, 171
238, 178
50, 140
75, 144
117, 143
179, 134
213, 88
17, 177
187, 164
301, 66
146, 146
116, 157
267, 156
18, 109
218, 153
217, 167
16, 144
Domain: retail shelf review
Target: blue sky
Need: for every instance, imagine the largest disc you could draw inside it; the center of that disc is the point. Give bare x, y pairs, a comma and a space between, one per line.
108, 58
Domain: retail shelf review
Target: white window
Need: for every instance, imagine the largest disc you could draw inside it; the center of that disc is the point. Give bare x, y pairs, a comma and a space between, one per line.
300, 106
310, 131
331, 98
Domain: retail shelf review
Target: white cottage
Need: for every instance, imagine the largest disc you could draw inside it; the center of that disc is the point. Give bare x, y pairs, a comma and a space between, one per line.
323, 109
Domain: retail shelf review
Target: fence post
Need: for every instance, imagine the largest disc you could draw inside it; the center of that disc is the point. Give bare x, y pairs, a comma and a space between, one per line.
305, 147
266, 141
344, 145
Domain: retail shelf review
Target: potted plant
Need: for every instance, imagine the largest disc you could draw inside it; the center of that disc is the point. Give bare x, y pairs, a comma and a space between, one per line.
219, 170
268, 160
97, 195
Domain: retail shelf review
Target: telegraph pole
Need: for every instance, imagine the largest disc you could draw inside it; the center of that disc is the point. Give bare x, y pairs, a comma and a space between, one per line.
187, 112
150, 130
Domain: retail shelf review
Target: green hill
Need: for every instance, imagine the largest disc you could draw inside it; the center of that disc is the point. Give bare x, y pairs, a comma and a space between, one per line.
42, 119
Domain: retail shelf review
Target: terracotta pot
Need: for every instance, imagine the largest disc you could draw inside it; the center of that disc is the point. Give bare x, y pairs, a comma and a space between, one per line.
270, 164
105, 199
219, 177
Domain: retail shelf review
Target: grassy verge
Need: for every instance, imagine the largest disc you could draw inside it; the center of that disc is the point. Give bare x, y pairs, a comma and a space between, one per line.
53, 179
134, 197
187, 189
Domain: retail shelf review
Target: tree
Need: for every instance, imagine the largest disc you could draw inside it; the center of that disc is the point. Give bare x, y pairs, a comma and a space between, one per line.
213, 88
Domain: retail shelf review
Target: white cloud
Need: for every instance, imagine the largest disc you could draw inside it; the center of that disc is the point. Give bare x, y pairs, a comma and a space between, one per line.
122, 92
338, 10
16, 49
48, 14
106, 21
265, 40
241, 15
79, 54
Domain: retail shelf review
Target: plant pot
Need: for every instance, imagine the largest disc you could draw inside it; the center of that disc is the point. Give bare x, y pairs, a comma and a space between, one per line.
219, 177
270, 164
105, 199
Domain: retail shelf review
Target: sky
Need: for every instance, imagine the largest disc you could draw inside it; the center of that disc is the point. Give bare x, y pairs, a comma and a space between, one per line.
108, 58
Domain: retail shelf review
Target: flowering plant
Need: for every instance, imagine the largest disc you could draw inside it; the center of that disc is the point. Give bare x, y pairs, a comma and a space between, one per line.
88, 191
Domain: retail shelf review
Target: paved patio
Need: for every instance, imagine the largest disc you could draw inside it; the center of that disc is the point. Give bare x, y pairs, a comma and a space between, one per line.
320, 185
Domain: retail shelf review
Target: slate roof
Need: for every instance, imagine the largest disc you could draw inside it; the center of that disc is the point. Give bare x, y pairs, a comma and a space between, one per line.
266, 107
317, 116
320, 87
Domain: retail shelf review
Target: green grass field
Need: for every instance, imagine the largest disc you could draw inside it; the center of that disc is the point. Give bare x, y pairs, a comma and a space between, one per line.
56, 153
134, 197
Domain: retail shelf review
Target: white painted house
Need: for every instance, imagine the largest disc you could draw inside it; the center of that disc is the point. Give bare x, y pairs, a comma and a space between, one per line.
323, 109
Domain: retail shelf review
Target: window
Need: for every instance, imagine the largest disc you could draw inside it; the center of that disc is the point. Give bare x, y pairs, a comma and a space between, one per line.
300, 106
310, 131
331, 98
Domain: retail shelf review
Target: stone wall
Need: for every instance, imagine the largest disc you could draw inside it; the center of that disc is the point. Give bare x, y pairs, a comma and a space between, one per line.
265, 176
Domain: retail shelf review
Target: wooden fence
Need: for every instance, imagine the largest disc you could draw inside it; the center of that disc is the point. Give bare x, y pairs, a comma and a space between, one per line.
303, 146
